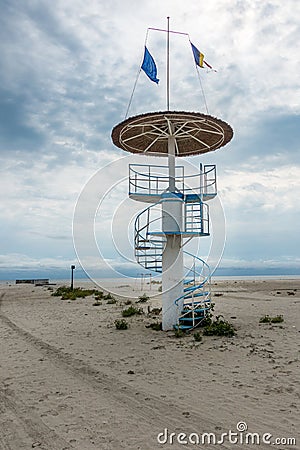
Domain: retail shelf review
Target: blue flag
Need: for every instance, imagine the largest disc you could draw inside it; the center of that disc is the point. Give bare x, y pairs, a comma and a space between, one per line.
149, 66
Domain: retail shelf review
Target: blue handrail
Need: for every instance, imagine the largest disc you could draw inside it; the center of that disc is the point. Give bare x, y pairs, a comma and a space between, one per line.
198, 286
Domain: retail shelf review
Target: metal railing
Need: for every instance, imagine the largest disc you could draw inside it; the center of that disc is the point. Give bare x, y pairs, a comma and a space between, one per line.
149, 241
149, 249
196, 218
196, 297
154, 180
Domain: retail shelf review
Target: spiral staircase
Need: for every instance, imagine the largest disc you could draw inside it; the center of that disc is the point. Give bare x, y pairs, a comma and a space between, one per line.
145, 184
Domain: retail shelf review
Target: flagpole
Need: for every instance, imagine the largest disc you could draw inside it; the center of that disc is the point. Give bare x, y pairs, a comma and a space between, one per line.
168, 64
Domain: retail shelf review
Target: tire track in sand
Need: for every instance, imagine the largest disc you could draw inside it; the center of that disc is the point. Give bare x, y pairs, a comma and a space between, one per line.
21, 427
155, 414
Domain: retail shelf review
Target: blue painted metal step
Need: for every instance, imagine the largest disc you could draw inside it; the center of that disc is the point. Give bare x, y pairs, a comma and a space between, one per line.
201, 309
182, 327
190, 319
197, 310
191, 288
195, 303
188, 281
199, 294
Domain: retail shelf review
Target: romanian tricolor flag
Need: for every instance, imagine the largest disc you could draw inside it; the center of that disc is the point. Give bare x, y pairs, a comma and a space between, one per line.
199, 57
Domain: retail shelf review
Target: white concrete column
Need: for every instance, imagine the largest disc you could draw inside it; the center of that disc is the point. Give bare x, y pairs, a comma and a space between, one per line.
171, 163
172, 261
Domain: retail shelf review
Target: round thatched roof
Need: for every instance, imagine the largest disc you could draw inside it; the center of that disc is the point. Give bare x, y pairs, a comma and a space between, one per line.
194, 133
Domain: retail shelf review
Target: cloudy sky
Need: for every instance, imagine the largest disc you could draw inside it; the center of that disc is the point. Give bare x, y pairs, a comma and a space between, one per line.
68, 69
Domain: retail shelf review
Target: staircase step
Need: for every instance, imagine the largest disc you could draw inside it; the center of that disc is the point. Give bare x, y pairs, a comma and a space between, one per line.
195, 293
193, 288
197, 310
188, 281
195, 303
190, 319
199, 294
182, 327
152, 257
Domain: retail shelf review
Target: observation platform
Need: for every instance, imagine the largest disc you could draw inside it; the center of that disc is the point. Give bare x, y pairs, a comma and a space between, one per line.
149, 183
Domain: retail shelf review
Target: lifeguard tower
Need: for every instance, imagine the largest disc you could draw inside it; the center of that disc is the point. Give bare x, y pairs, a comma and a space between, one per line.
178, 210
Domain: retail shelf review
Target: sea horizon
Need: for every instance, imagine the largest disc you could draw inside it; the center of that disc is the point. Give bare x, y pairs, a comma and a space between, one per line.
146, 279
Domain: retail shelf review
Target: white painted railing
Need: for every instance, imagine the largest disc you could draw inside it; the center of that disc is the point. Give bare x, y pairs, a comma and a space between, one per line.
154, 180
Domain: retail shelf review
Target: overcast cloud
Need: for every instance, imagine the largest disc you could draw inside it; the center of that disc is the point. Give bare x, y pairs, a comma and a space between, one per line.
67, 72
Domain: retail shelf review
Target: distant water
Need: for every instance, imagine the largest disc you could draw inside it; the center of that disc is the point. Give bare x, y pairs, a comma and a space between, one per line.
139, 282
257, 277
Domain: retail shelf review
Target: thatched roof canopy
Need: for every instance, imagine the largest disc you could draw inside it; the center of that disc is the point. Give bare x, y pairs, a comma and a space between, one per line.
194, 133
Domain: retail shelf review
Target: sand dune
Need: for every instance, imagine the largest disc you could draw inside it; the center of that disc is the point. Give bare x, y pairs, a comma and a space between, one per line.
70, 380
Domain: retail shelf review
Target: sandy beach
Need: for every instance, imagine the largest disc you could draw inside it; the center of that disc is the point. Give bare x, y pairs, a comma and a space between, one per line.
70, 380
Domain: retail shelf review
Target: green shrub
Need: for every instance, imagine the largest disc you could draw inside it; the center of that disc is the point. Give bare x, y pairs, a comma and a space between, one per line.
131, 311
67, 293
143, 298
121, 324
178, 333
265, 319
206, 321
157, 326
60, 291
197, 336
277, 319
97, 303
219, 327
268, 319
112, 301
69, 296
155, 311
